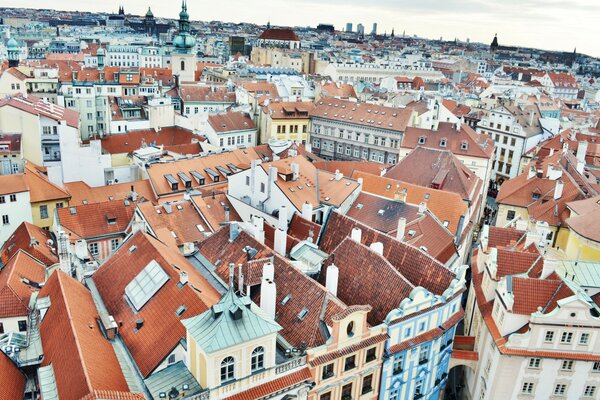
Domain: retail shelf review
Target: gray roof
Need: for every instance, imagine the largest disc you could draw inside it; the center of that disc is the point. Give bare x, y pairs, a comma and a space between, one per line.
47, 383
229, 322
174, 376
583, 273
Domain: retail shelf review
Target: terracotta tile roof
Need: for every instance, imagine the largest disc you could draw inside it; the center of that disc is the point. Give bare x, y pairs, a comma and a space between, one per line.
36, 106
302, 229
419, 268
459, 110
445, 205
289, 109
504, 237
586, 225
424, 229
367, 278
161, 330
14, 183
529, 294
40, 188
31, 239
206, 94
511, 262
363, 344
349, 167
134, 140
95, 220
338, 90
371, 115
113, 395
279, 34
179, 218
477, 144
276, 385
12, 380
260, 88
82, 193
211, 207
302, 291
15, 293
82, 359
438, 169
239, 158
231, 121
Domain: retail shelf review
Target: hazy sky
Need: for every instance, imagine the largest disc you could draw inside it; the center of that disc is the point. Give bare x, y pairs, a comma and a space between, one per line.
547, 24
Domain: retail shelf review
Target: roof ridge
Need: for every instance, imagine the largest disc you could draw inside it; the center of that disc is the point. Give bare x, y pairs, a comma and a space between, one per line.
73, 329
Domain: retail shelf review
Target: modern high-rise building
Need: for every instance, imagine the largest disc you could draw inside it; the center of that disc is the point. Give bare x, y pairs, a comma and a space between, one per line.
360, 29
374, 31
349, 27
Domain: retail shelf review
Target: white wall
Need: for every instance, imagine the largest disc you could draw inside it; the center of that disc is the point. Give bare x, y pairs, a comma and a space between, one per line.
17, 212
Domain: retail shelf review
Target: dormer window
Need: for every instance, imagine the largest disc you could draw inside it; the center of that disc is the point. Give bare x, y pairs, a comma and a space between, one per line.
422, 140
227, 369
464, 145
443, 142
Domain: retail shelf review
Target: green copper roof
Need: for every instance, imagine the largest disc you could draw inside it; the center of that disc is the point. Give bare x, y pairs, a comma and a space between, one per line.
229, 322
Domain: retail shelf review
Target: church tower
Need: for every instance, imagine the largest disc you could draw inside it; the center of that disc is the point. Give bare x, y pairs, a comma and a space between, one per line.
183, 60
12, 48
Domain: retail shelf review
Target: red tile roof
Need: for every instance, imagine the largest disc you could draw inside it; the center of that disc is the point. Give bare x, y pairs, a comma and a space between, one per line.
529, 294
349, 167
15, 293
276, 385
338, 90
504, 237
231, 121
279, 34
82, 193
14, 183
34, 241
134, 140
161, 331
82, 359
93, 220
177, 218
206, 94
36, 106
12, 380
40, 188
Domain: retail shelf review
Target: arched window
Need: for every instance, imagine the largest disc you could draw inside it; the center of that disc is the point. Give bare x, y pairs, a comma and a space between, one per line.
227, 369
258, 359
183, 65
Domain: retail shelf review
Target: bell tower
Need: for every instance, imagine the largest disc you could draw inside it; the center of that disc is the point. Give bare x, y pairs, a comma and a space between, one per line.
183, 59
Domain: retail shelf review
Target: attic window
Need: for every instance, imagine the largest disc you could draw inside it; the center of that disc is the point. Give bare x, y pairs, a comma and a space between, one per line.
302, 314
111, 219
443, 142
132, 248
388, 186
426, 196
464, 146
380, 212
286, 299
359, 206
446, 223
180, 310
72, 210
535, 196
412, 232
146, 284
421, 139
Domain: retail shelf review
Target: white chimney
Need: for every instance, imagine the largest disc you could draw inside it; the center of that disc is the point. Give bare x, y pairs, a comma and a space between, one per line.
282, 222
485, 234
582, 151
280, 241
401, 228
548, 268
258, 228
458, 124
377, 247
532, 172
295, 171
183, 278
338, 175
308, 147
422, 208
331, 282
307, 211
356, 234
580, 166
268, 271
558, 189
81, 250
553, 172
268, 297
531, 114
551, 151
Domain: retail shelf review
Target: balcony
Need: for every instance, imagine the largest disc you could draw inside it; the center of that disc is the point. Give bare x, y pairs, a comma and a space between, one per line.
50, 138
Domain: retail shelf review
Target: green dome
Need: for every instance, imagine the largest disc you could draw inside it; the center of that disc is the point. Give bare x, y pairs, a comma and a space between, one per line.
100, 51
12, 44
149, 13
184, 14
184, 42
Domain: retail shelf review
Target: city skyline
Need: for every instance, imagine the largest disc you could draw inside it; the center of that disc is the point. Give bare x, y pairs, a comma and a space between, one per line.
476, 20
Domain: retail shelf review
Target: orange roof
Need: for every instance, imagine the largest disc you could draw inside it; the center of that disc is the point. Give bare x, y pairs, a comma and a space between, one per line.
82, 193
206, 94
348, 167
274, 386
40, 188
161, 331
211, 207
14, 183
446, 206
12, 380
289, 109
82, 359
178, 220
33, 240
134, 140
15, 293
231, 121
279, 34
338, 90
36, 106
97, 219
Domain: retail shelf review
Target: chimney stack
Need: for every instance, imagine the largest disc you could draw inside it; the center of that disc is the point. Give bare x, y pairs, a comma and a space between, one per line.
338, 175
295, 171
307, 211
282, 222
422, 208
377, 247
356, 234
548, 267
400, 195
485, 233
581, 151
401, 228
280, 241
234, 231
331, 281
183, 278
558, 189
532, 172
258, 228
531, 115
268, 290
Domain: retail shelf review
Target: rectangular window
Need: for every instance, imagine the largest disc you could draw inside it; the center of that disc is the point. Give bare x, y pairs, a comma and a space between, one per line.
349, 363
59, 205
527, 388
1, 327
262, 187
5, 220
419, 387
549, 336
114, 243
2, 199
584, 338
13, 198
347, 392
325, 396
398, 362
93, 247
566, 337
567, 365
560, 389
43, 212
534, 362
423, 355
510, 215
590, 391
371, 354
22, 326
327, 371
367, 385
